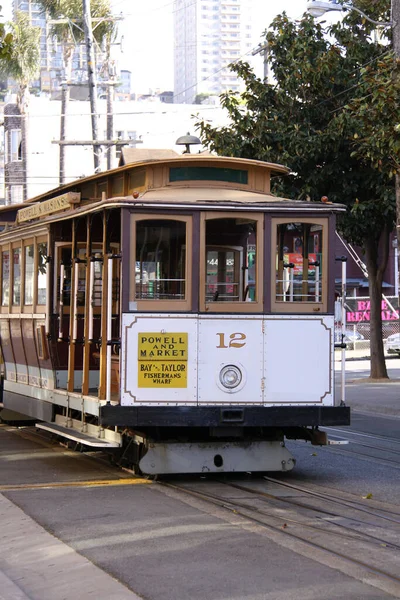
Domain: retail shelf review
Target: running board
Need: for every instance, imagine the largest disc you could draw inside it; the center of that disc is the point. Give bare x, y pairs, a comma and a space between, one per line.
77, 436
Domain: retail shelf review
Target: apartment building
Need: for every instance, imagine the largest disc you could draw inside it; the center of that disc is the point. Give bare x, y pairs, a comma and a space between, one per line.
208, 36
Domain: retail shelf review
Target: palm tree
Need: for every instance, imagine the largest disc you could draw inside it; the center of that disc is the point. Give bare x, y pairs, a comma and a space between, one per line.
70, 32
6, 39
22, 63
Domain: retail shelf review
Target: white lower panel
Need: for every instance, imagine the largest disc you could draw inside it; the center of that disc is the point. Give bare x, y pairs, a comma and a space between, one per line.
298, 360
216, 457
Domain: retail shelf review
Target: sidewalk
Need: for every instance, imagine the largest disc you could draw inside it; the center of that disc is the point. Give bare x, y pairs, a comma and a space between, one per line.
379, 397
360, 353
35, 565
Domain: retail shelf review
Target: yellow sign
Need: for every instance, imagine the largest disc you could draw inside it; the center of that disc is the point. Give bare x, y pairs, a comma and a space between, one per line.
162, 360
48, 206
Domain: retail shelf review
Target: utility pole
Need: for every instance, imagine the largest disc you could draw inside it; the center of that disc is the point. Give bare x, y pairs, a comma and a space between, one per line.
263, 49
91, 67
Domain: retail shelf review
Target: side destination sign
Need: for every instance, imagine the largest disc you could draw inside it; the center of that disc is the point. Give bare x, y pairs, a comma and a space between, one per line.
162, 360
48, 206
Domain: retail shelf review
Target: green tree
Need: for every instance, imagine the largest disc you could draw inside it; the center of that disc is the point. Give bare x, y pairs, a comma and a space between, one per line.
21, 63
6, 39
70, 32
311, 119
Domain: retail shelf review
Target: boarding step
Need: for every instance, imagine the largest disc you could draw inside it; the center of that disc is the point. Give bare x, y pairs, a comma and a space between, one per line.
77, 436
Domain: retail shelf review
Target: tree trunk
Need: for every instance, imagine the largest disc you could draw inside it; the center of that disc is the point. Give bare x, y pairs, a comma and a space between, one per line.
375, 277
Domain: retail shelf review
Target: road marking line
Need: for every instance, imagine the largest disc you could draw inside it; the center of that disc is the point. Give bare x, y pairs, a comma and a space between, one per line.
99, 483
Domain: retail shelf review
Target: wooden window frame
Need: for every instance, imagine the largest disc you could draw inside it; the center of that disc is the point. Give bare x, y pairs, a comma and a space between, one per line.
17, 308
41, 308
6, 307
278, 306
233, 307
28, 308
137, 305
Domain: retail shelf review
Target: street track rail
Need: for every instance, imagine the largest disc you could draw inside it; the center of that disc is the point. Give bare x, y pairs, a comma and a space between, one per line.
315, 526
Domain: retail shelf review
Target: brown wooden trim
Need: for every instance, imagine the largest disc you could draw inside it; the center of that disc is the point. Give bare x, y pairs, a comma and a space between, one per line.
125, 262
41, 343
300, 307
331, 263
163, 305
267, 276
196, 262
88, 299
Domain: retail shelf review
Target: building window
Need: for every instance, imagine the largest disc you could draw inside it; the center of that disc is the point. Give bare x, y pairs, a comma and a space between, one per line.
14, 149
15, 194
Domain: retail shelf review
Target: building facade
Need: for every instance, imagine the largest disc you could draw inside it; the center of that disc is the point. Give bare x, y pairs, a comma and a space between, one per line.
52, 68
209, 35
146, 124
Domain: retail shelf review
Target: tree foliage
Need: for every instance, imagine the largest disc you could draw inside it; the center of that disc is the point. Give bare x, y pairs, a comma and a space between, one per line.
70, 32
330, 115
6, 39
22, 60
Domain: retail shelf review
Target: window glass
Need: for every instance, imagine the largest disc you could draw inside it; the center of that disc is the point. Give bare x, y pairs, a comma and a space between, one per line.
98, 280
231, 260
17, 276
299, 262
29, 264
42, 270
208, 174
160, 267
5, 295
14, 148
16, 194
66, 260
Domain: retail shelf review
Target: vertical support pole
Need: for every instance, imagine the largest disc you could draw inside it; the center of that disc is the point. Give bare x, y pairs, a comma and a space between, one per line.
103, 349
343, 383
61, 308
50, 266
88, 311
109, 326
75, 302
91, 289
72, 309
317, 283
291, 283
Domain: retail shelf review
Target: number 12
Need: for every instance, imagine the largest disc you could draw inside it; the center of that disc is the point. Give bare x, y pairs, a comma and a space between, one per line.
235, 340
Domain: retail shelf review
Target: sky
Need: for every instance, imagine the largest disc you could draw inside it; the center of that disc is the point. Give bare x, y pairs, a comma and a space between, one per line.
148, 43
147, 32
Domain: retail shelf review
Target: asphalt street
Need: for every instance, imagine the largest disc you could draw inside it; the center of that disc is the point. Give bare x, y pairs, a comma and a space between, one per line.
75, 528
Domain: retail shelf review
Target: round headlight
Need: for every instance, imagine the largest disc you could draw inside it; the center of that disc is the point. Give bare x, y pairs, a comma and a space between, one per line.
230, 376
